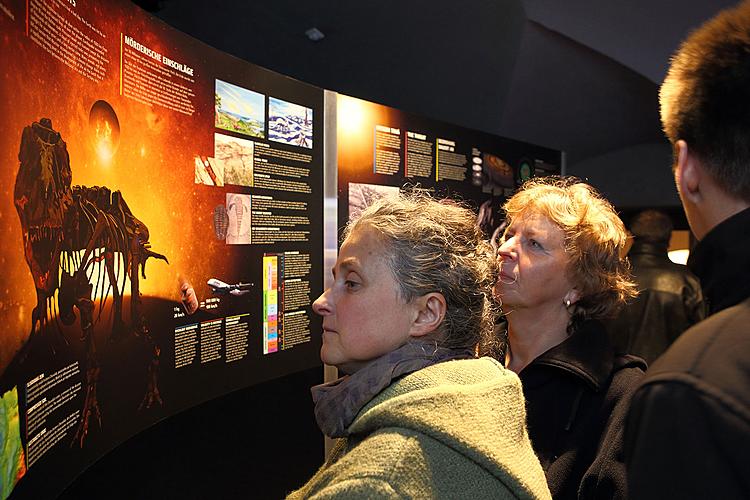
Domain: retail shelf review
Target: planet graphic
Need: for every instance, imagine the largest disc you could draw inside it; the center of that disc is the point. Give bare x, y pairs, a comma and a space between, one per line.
104, 129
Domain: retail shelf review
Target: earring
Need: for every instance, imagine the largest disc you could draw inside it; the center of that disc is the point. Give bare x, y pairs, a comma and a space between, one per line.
567, 302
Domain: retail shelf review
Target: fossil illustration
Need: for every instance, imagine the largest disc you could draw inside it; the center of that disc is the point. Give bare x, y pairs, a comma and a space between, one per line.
72, 236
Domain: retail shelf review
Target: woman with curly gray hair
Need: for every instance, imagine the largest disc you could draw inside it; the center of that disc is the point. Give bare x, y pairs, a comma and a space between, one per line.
417, 414
561, 271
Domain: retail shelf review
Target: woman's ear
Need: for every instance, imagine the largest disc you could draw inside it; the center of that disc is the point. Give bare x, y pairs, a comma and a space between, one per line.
430, 311
572, 296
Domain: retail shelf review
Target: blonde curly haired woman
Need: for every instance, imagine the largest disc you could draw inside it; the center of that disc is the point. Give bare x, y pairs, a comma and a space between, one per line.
561, 271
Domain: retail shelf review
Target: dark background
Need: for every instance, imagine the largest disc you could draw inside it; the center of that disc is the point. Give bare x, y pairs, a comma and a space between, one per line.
580, 76
258, 442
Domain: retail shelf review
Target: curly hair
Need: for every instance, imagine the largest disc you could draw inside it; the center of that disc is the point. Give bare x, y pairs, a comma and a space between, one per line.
594, 238
436, 246
705, 98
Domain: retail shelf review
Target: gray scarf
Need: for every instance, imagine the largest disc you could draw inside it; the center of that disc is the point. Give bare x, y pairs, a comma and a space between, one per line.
337, 403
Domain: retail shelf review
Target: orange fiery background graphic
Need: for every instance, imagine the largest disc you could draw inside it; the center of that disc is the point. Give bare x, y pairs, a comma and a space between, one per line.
148, 158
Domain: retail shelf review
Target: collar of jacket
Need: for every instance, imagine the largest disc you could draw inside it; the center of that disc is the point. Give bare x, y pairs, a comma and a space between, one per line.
722, 262
641, 247
586, 354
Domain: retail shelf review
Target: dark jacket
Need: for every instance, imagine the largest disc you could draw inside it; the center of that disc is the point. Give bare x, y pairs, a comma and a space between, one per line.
669, 302
571, 391
688, 429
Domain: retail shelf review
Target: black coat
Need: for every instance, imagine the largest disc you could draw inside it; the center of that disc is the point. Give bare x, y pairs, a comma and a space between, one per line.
669, 302
571, 392
688, 429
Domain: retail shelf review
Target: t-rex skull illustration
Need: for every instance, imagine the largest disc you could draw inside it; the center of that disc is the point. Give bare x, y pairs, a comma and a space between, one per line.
42, 194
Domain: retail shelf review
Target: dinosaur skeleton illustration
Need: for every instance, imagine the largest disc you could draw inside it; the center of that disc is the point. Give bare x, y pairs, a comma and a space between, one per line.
71, 237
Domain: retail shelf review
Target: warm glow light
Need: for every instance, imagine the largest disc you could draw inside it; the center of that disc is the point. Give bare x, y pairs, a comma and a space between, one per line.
97, 273
105, 131
103, 134
679, 256
350, 115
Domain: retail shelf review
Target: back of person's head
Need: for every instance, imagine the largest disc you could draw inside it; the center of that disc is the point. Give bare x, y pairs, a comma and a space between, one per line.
652, 226
594, 239
437, 246
705, 98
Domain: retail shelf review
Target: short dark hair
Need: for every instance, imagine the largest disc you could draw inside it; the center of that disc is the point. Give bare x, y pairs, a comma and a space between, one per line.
652, 226
705, 98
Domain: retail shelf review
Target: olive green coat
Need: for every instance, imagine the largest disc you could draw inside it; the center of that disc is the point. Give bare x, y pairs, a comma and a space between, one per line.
452, 430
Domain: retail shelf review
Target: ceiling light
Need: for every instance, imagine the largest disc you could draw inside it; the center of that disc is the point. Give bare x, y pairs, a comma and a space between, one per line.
314, 34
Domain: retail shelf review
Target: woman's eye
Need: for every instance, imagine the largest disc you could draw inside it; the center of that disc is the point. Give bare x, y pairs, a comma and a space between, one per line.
535, 244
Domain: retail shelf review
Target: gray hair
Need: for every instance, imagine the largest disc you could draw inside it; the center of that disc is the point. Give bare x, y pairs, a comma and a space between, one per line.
436, 246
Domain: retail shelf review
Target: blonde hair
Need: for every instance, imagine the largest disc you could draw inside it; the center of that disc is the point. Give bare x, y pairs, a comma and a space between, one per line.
436, 246
594, 240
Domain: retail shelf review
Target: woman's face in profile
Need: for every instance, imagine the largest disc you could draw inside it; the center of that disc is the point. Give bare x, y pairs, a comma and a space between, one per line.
533, 264
364, 316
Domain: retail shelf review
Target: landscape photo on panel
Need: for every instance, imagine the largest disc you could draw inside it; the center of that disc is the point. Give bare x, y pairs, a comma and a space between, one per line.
239, 110
290, 123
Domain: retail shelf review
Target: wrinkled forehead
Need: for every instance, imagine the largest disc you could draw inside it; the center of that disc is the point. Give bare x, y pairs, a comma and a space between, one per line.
532, 217
535, 224
365, 241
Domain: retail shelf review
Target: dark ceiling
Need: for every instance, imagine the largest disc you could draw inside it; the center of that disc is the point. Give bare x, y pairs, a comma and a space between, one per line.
577, 75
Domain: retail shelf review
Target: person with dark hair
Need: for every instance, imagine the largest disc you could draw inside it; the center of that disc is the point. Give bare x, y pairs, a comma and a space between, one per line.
416, 414
670, 299
688, 429
561, 272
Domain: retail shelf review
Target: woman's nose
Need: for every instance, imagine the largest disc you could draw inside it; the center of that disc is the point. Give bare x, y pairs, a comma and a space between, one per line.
321, 305
508, 249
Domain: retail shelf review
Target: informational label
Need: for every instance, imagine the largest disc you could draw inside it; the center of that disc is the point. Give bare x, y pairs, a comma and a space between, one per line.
282, 170
50, 411
237, 337
277, 220
185, 345
69, 38
286, 297
270, 304
387, 159
211, 341
419, 156
150, 77
449, 165
296, 329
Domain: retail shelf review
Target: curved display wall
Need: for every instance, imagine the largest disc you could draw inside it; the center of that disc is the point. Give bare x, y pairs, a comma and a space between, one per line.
381, 149
159, 219
162, 221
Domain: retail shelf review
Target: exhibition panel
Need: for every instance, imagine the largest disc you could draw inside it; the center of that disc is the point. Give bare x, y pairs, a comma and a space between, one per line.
160, 221
163, 220
383, 149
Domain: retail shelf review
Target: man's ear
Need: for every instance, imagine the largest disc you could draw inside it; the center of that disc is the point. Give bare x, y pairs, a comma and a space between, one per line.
687, 173
430, 310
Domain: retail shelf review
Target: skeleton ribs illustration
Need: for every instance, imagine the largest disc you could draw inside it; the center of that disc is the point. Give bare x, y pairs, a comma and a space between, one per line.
69, 233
